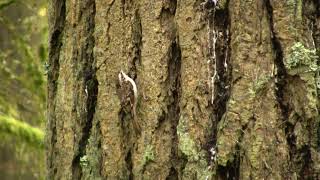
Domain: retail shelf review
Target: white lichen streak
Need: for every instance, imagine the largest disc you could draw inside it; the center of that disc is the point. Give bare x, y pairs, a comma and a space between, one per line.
212, 49
215, 64
226, 55
209, 61
213, 153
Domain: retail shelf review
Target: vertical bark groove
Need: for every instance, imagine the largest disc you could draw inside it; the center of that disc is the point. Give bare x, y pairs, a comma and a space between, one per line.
316, 38
173, 99
87, 75
248, 128
220, 64
219, 22
281, 74
57, 18
116, 21
137, 42
161, 89
293, 87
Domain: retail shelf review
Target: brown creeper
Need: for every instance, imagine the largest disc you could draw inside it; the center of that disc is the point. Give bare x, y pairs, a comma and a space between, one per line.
130, 94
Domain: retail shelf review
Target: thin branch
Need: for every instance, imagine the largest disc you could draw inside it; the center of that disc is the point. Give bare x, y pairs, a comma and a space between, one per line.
23, 131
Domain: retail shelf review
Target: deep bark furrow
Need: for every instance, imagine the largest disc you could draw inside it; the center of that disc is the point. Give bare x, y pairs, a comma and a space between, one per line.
173, 96
281, 73
134, 64
194, 129
219, 22
113, 54
136, 42
315, 17
248, 127
282, 79
159, 89
85, 73
213, 71
220, 67
57, 18
296, 91
316, 38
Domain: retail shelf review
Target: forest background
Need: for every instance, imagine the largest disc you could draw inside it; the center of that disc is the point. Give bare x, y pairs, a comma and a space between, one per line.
23, 52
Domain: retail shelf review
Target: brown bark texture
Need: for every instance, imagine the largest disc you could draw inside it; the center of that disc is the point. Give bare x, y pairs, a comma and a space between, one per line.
224, 91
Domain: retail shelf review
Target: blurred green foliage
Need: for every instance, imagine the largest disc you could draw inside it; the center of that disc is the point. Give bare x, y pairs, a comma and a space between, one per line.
23, 53
21, 131
4, 4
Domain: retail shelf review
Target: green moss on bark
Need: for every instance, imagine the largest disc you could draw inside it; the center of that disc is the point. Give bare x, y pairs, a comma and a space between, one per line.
197, 165
301, 59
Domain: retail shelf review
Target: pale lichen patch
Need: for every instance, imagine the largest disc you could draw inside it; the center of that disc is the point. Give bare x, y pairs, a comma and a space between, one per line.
301, 59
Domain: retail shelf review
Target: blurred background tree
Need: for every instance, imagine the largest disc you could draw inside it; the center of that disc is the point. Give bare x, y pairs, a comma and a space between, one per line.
23, 52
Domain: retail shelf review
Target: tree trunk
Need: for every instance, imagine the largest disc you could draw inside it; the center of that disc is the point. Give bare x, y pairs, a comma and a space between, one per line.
226, 91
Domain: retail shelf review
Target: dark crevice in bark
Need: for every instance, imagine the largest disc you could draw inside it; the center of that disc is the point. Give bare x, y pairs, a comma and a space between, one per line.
125, 119
90, 84
173, 80
137, 43
318, 7
230, 171
173, 83
123, 7
316, 38
161, 120
55, 43
170, 6
300, 157
220, 67
167, 21
129, 163
99, 147
173, 174
318, 136
184, 161
223, 66
107, 36
313, 15
92, 89
282, 79
306, 170
281, 70
209, 16
125, 93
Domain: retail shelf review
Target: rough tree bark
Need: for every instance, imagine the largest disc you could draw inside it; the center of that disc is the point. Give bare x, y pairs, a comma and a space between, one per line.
224, 92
